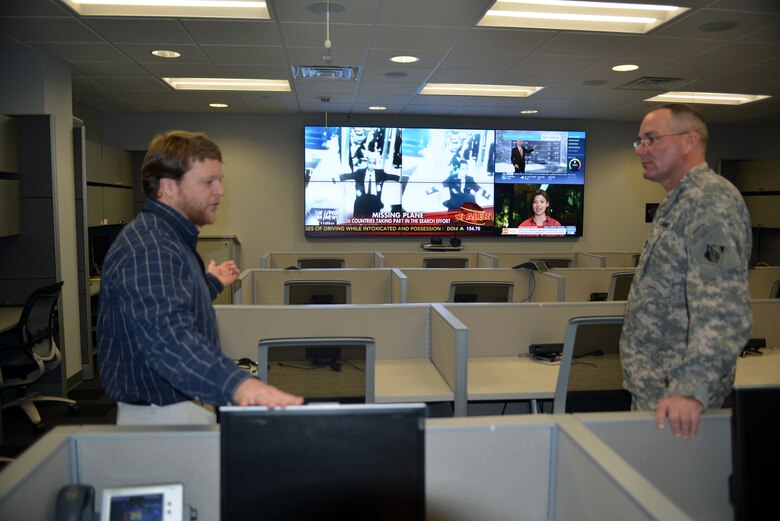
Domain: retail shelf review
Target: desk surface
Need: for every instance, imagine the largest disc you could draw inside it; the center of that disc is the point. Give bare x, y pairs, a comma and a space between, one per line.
409, 380
523, 378
9, 317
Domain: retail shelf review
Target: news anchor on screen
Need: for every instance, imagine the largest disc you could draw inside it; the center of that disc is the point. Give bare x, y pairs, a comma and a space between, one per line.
518, 156
541, 207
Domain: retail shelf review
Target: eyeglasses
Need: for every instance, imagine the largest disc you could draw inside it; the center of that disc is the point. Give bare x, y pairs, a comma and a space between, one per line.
648, 141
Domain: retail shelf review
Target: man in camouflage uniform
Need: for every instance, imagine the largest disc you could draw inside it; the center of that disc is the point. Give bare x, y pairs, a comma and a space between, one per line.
688, 312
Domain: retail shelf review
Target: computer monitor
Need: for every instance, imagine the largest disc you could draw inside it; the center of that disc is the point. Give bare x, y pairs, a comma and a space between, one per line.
775, 292
100, 239
305, 292
320, 263
620, 285
755, 456
554, 262
481, 291
445, 262
348, 462
331, 369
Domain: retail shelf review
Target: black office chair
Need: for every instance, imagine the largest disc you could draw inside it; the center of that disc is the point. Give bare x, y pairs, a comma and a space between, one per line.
29, 351
620, 285
590, 378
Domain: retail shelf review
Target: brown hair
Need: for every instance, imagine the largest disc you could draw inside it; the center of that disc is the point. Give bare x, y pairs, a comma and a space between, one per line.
171, 155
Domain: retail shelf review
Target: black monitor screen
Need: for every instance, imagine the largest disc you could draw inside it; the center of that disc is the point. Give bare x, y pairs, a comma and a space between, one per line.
100, 240
755, 429
323, 462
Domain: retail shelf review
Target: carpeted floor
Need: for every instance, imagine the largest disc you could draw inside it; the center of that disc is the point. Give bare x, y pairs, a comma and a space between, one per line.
94, 408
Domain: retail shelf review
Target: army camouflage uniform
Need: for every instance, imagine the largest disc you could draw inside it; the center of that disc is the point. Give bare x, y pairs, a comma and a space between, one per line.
688, 313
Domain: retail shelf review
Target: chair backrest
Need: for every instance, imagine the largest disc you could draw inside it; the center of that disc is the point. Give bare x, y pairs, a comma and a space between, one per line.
481, 291
37, 322
320, 262
445, 262
554, 262
320, 368
620, 285
304, 292
591, 376
775, 293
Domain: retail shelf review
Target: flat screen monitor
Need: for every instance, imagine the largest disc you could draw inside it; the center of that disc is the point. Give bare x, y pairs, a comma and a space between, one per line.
755, 456
553, 262
330, 369
348, 462
307, 292
100, 240
445, 262
482, 291
320, 263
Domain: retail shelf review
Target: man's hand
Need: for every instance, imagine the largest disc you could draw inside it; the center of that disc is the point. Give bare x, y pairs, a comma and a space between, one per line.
227, 272
255, 392
684, 414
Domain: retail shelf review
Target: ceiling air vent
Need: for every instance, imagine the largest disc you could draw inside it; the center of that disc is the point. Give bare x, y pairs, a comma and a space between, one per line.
656, 83
324, 72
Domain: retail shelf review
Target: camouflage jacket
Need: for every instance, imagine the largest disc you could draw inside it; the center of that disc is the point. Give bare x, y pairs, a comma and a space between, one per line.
688, 313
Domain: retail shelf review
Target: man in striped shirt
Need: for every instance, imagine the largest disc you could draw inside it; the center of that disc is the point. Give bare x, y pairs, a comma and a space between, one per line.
158, 349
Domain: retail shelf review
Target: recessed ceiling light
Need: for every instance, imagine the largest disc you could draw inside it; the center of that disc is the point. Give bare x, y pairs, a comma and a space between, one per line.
569, 15
404, 59
228, 84
377, 107
162, 53
218, 105
469, 89
177, 8
710, 98
529, 111
625, 68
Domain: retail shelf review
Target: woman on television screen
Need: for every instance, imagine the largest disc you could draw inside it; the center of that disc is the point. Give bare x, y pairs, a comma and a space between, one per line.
540, 205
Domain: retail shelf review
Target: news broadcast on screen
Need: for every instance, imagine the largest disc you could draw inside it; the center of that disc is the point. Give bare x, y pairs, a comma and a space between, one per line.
390, 181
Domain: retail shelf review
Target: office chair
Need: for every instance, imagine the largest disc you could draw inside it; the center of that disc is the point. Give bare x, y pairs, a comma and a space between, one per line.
445, 262
29, 351
554, 262
320, 263
775, 292
590, 378
620, 285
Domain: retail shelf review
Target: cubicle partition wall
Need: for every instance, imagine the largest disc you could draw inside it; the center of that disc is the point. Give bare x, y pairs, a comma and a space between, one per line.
500, 367
761, 279
512, 259
589, 260
580, 283
617, 259
420, 349
352, 259
369, 286
426, 285
414, 259
498, 468
766, 321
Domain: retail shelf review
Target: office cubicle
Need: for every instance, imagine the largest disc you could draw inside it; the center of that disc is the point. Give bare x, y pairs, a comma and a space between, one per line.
580, 284
352, 259
420, 348
427, 285
416, 259
761, 279
535, 468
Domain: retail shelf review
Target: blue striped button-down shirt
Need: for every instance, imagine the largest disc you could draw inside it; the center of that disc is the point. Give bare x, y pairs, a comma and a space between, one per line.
157, 332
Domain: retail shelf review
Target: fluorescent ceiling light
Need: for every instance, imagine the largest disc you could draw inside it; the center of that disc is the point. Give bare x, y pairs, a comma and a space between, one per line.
711, 98
218, 105
377, 107
228, 84
529, 111
568, 15
469, 89
178, 8
625, 68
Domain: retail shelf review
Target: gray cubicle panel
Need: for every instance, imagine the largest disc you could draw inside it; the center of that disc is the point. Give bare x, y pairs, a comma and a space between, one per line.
411, 259
702, 492
765, 321
497, 468
369, 286
420, 349
761, 279
616, 259
511, 259
427, 285
352, 259
579, 283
